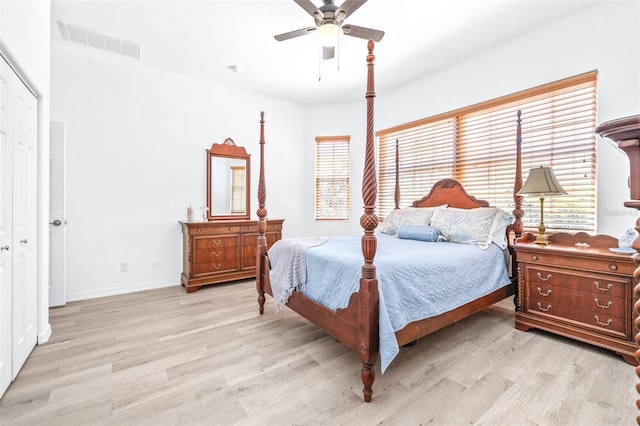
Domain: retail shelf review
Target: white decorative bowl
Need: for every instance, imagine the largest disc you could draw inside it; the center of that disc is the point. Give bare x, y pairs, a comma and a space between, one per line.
627, 238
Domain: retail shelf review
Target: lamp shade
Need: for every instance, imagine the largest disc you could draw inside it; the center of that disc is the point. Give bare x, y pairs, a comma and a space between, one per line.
329, 34
542, 182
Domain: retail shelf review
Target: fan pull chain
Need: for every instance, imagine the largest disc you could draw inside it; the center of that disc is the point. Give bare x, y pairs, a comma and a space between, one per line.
319, 62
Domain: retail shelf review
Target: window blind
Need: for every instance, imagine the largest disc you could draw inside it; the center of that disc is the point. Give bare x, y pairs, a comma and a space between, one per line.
332, 178
557, 130
238, 190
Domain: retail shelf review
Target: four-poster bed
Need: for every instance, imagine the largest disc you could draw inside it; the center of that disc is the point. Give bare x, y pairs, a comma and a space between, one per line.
359, 323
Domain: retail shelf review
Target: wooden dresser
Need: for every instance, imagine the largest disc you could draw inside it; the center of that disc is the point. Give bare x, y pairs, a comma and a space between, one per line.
222, 250
582, 292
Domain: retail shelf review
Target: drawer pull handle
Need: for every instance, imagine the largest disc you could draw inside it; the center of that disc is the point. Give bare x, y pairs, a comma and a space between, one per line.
216, 242
216, 267
230, 228
607, 306
544, 279
544, 309
197, 229
217, 253
534, 257
545, 294
613, 267
597, 284
604, 324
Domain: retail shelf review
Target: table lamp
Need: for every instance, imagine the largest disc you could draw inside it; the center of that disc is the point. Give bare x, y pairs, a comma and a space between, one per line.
542, 182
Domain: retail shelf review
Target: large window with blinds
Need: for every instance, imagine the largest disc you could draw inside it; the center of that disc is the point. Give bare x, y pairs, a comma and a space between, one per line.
476, 146
332, 178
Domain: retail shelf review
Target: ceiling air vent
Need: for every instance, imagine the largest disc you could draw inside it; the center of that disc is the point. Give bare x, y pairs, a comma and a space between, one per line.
95, 39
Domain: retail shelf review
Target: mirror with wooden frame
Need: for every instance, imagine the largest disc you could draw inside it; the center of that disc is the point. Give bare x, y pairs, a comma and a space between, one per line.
228, 181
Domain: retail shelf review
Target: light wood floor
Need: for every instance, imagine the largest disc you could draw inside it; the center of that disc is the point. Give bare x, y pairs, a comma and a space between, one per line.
165, 357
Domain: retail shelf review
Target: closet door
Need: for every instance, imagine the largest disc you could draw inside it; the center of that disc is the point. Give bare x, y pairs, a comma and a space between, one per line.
25, 196
6, 240
18, 215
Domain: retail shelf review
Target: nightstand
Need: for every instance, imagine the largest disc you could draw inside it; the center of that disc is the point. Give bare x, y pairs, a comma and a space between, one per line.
576, 287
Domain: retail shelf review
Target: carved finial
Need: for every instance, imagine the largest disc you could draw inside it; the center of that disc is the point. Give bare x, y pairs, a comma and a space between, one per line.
261, 115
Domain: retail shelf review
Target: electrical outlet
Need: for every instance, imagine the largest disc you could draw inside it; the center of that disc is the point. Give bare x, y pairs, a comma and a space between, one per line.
124, 266
154, 263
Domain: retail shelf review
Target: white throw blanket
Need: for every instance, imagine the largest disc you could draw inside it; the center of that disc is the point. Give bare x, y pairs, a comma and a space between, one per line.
288, 267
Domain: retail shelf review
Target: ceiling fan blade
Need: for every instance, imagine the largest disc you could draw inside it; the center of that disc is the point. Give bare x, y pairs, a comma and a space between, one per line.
296, 33
328, 52
347, 8
362, 32
310, 8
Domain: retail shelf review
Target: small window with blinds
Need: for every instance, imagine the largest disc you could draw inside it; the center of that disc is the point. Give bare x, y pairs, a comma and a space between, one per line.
476, 146
332, 178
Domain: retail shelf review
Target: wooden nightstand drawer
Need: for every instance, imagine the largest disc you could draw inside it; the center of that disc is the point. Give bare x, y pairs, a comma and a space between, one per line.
596, 303
616, 264
602, 322
613, 286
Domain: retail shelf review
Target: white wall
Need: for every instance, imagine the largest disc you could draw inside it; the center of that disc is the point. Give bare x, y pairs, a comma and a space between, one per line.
604, 37
137, 137
136, 141
25, 42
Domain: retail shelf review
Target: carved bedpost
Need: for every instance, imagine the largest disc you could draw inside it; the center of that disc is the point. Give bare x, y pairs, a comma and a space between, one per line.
262, 222
396, 195
368, 294
517, 185
518, 212
626, 133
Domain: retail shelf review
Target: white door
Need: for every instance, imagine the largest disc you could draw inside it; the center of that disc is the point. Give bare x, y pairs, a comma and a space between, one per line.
25, 197
18, 261
6, 241
57, 216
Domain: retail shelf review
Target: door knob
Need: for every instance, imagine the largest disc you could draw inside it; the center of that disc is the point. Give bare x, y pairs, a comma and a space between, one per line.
4, 248
56, 222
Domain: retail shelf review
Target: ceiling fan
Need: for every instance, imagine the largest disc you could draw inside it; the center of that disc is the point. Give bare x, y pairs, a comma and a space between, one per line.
329, 20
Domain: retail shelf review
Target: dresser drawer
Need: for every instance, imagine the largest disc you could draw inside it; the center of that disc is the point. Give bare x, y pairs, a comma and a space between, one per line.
216, 254
612, 286
215, 266
596, 303
214, 230
217, 242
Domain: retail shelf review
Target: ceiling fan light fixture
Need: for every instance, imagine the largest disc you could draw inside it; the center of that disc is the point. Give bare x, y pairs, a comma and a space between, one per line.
329, 34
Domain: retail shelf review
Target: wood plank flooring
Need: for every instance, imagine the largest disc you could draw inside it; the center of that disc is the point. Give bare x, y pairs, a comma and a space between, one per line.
165, 357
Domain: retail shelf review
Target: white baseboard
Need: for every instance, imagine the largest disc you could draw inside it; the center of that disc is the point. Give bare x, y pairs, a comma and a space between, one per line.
84, 295
43, 336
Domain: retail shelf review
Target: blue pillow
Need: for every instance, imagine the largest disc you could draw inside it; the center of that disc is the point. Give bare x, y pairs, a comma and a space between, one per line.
420, 233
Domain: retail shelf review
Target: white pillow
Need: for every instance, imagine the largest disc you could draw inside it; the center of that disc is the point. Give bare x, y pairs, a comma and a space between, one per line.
500, 223
410, 216
466, 226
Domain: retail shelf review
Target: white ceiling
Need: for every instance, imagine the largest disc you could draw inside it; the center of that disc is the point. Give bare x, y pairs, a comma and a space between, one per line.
203, 38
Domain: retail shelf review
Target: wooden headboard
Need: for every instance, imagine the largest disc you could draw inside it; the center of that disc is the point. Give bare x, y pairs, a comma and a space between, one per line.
450, 192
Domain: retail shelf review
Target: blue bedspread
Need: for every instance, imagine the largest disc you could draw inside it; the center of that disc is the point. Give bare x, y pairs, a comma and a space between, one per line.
416, 279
